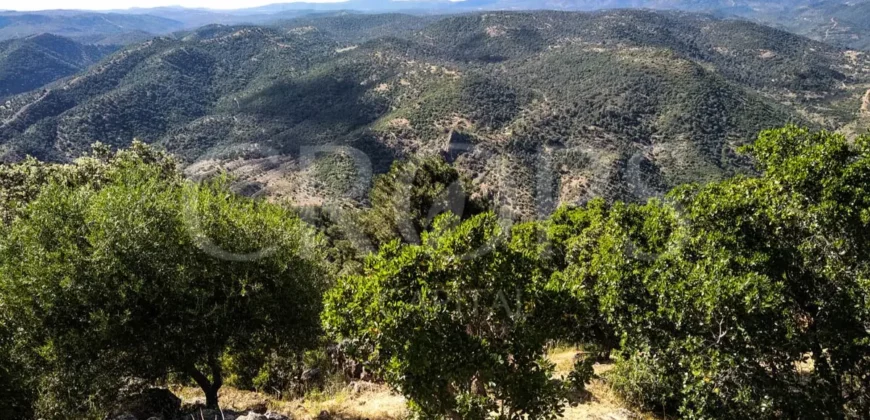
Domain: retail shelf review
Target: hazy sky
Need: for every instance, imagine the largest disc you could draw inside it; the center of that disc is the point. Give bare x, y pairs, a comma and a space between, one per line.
126, 4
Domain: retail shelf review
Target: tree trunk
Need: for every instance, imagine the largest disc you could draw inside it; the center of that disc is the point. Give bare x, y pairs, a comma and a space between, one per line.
210, 388
211, 398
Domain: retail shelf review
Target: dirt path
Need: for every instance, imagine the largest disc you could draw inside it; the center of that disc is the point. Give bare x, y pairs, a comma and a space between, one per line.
865, 103
24, 109
828, 31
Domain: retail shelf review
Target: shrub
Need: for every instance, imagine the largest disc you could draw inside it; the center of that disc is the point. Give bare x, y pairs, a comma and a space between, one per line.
459, 332
406, 200
16, 387
722, 296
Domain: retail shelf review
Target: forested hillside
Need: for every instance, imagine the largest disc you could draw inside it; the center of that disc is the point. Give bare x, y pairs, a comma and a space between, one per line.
619, 104
837, 22
29, 63
89, 27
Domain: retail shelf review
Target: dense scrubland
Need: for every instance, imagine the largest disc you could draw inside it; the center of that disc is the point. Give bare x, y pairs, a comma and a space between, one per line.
746, 297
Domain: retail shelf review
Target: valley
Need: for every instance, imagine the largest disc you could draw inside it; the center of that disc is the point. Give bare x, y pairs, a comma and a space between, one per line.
621, 104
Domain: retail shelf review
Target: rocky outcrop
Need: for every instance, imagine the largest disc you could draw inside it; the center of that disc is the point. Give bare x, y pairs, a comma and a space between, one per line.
267, 416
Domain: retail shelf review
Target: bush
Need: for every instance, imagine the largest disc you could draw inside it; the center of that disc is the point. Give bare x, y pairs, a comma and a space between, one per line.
722, 296
406, 200
459, 332
16, 386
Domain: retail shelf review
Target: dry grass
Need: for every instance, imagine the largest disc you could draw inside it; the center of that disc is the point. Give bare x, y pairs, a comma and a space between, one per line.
599, 402
368, 401
374, 402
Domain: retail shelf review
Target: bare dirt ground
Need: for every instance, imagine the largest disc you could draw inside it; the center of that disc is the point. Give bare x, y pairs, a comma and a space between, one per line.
865, 103
367, 401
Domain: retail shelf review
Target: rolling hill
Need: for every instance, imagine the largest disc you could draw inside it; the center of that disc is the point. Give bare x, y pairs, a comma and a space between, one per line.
843, 22
89, 27
29, 63
536, 108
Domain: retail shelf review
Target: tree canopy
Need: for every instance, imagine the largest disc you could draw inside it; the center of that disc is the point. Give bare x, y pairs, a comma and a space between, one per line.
742, 298
143, 275
457, 323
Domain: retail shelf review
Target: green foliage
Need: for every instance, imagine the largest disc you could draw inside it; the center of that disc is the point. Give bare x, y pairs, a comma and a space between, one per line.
457, 324
30, 63
723, 295
16, 386
140, 274
21, 182
742, 298
581, 373
406, 200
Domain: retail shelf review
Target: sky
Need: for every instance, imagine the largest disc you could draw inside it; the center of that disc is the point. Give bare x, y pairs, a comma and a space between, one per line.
28, 5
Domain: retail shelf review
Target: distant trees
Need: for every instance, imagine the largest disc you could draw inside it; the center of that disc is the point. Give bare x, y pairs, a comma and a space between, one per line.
136, 273
406, 200
30, 63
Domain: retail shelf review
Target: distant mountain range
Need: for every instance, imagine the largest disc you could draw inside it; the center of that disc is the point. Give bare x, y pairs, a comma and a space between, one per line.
842, 22
85, 26
535, 107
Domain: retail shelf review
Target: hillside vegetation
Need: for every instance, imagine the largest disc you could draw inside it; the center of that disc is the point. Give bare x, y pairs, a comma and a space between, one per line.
86, 26
836, 22
743, 298
621, 104
29, 63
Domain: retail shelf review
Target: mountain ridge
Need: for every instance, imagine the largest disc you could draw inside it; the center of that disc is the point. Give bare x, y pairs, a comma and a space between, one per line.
839, 21
31, 62
620, 104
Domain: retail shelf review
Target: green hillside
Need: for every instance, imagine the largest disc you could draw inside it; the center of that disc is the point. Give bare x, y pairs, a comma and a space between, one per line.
80, 25
29, 63
838, 22
534, 107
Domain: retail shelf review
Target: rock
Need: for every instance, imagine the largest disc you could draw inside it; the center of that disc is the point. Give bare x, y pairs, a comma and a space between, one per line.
252, 416
154, 402
271, 415
259, 407
209, 414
